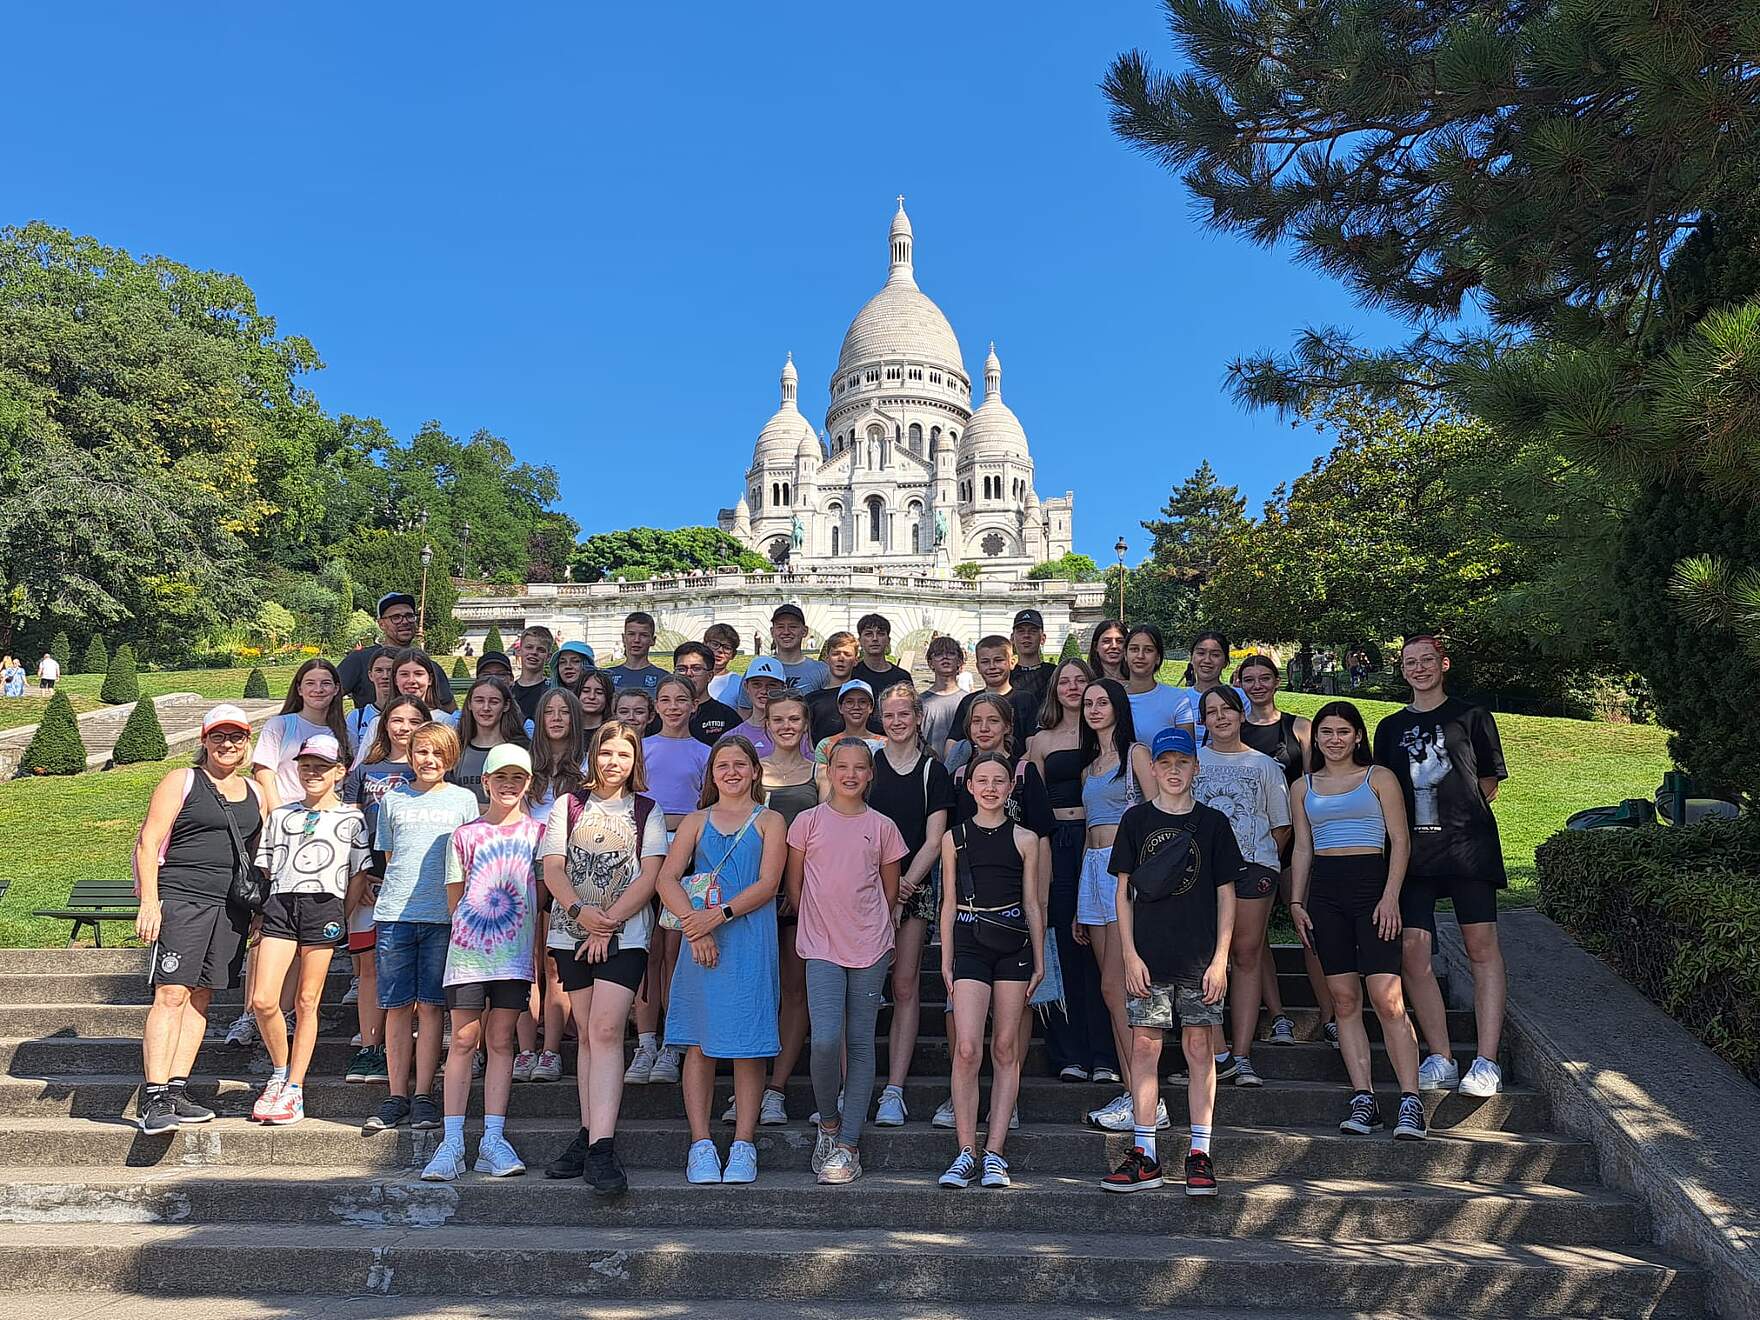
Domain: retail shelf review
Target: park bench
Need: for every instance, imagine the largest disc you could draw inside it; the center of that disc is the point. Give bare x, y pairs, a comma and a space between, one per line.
93, 902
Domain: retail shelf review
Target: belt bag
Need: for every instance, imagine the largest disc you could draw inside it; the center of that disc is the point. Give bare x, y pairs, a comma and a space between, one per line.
1002, 931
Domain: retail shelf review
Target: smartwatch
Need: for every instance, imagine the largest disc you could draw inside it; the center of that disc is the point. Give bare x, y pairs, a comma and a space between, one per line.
727, 912
574, 911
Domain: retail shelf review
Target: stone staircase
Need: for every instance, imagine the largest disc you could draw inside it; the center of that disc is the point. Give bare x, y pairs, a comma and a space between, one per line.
1494, 1216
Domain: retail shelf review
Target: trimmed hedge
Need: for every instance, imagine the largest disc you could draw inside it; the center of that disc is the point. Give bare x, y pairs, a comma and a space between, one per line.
256, 687
62, 650
1072, 648
121, 681
1674, 911
142, 737
493, 641
56, 747
97, 656
460, 670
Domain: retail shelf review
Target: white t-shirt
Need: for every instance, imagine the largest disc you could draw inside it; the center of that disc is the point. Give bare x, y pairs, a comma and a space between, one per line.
313, 852
50, 669
278, 750
601, 859
1249, 788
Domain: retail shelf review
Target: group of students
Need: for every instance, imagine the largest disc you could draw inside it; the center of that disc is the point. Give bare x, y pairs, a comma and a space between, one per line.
738, 864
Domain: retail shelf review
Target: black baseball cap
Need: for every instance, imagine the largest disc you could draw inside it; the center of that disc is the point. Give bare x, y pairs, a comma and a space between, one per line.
788, 612
493, 658
391, 598
1030, 617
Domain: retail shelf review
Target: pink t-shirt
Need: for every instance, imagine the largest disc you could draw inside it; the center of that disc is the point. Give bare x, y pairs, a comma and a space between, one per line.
844, 918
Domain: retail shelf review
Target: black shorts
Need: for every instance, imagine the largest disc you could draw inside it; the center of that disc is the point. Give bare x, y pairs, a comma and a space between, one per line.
973, 962
625, 968
200, 945
1342, 894
307, 919
489, 994
1475, 901
1257, 881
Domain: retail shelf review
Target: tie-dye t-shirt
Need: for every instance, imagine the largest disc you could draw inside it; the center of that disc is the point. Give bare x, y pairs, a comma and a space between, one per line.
495, 925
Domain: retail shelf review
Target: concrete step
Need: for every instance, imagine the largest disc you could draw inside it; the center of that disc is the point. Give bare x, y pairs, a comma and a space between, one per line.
1333, 1209
1044, 1100
901, 1266
1455, 1154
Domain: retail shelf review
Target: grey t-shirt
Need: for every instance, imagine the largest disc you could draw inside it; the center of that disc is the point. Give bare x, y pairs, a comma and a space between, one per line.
804, 676
1249, 788
939, 708
413, 832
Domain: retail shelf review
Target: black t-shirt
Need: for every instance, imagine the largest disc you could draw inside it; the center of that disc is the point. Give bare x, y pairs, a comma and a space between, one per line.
1026, 714
1278, 741
712, 719
1031, 679
1439, 756
527, 696
1028, 803
822, 714
909, 799
1176, 936
354, 674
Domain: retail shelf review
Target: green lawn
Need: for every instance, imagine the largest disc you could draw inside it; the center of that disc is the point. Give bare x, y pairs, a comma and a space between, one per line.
15, 712
221, 684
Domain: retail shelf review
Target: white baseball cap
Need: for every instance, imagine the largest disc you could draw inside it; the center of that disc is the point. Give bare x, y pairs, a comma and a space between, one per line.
224, 717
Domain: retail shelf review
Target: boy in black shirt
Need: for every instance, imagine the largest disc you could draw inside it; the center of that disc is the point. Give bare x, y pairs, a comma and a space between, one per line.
1176, 861
874, 633
534, 648
1448, 760
695, 663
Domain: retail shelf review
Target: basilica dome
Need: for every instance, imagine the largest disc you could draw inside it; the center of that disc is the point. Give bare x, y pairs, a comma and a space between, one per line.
900, 321
787, 433
994, 431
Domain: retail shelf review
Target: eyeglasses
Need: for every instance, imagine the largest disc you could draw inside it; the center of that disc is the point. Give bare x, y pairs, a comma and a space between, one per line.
690, 669
402, 616
229, 735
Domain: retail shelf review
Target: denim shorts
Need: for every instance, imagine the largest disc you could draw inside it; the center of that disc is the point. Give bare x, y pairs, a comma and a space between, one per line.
1097, 890
410, 962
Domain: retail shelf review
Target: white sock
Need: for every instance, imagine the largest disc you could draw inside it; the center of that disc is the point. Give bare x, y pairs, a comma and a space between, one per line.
1201, 1138
1144, 1138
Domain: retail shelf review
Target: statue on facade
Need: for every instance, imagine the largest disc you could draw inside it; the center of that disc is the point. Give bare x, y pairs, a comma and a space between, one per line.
940, 528
797, 534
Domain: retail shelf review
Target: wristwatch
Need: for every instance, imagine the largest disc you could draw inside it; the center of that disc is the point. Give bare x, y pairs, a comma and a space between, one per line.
574, 911
727, 911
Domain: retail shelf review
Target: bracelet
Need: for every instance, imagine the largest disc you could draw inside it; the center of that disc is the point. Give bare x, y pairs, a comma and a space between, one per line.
1296, 902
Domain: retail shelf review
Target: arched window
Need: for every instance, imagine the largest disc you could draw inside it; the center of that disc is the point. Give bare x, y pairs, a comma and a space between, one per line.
916, 538
934, 441
787, 494
916, 438
775, 493
876, 520
836, 539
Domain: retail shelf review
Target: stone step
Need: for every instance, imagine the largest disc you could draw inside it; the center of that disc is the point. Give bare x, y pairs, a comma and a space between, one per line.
901, 1266
1247, 1151
1335, 1209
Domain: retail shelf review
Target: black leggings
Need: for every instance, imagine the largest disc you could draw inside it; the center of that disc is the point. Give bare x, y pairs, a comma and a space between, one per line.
1342, 894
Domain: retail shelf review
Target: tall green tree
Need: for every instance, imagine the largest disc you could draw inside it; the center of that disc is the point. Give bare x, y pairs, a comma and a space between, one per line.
652, 552
1199, 518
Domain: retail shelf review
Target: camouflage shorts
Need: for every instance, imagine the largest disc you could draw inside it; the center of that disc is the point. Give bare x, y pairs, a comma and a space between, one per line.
925, 904
1157, 1008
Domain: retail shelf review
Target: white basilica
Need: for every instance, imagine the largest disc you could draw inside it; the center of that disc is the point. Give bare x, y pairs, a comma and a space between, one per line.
905, 477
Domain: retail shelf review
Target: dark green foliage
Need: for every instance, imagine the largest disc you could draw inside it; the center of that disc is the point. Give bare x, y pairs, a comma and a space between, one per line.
121, 682
460, 670
1072, 567
1196, 523
1072, 648
493, 641
256, 687
97, 657
1676, 911
56, 748
62, 650
658, 553
142, 738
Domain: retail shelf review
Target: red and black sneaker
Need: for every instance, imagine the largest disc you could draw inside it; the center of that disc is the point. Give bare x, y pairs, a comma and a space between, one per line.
1138, 1173
1200, 1175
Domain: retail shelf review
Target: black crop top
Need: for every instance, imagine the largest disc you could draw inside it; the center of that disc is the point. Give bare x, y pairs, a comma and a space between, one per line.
1063, 777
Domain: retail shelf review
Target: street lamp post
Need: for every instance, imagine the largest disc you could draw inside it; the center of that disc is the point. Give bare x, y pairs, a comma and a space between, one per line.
464, 549
1120, 548
422, 604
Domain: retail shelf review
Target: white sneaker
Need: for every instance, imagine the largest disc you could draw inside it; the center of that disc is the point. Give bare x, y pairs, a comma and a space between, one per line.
641, 1068
773, 1112
667, 1065
447, 1164
1483, 1079
1118, 1117
353, 993
1437, 1073
944, 1115
1118, 1104
548, 1067
356, 1040
891, 1112
813, 1117
243, 1030
523, 1063
1283, 1031
823, 1146
731, 1114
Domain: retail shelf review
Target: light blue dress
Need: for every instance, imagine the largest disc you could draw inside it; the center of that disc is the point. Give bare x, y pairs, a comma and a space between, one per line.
729, 1010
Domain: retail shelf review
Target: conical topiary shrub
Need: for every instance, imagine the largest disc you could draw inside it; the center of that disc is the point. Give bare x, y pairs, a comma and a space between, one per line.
62, 650
57, 748
1072, 649
97, 657
493, 641
142, 738
256, 687
121, 682
460, 669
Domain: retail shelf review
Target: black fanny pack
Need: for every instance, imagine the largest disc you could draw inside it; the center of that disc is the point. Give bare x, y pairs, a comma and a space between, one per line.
1000, 931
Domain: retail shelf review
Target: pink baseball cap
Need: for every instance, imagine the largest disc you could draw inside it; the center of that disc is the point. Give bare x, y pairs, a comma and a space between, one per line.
322, 745
225, 717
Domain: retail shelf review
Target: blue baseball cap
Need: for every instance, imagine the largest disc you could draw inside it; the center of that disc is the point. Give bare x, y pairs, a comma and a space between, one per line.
1174, 739
766, 667
854, 685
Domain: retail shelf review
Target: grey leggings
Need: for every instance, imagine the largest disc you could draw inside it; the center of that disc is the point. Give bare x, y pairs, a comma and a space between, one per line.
843, 1004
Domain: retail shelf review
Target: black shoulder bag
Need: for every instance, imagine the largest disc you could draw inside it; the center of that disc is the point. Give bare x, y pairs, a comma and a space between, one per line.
1001, 931
250, 887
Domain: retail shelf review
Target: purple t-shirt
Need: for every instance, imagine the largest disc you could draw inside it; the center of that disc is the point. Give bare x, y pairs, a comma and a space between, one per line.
675, 771
844, 916
755, 734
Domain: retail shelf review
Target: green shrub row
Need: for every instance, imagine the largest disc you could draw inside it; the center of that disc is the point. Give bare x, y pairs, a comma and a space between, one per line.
1674, 911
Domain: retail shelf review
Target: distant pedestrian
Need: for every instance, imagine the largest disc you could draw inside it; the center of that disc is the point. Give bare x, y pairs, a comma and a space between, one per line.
48, 670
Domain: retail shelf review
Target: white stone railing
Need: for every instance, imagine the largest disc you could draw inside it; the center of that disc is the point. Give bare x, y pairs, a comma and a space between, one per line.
1080, 594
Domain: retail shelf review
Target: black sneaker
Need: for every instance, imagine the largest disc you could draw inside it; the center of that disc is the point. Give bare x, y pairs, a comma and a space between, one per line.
603, 1171
394, 1113
424, 1114
1329, 1033
1410, 1125
1138, 1173
1364, 1116
188, 1111
157, 1114
1200, 1174
1226, 1068
572, 1162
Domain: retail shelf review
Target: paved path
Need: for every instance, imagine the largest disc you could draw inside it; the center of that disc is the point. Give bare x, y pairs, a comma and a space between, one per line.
180, 715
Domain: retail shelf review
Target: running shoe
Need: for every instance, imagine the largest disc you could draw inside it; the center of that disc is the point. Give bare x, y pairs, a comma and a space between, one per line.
1483, 1079
843, 1165
995, 1171
356, 1040
523, 1063
267, 1101
1410, 1125
353, 993
497, 1158
378, 1070
1105, 1074
424, 1114
1123, 1118
1330, 1034
772, 1112
1200, 1174
641, 1068
548, 1068
1119, 1104
891, 1112
393, 1114
359, 1066
156, 1114
1364, 1116
1283, 1031
188, 1111
1438, 1074
1227, 1066
604, 1173
961, 1172
243, 1030
667, 1064
1245, 1074
813, 1117
290, 1107
742, 1163
731, 1113
447, 1164
1072, 1073
703, 1164
943, 1115
577, 1158
1138, 1173
823, 1144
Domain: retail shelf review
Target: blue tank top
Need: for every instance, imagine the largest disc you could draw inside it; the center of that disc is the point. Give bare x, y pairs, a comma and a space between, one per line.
1345, 820
1106, 798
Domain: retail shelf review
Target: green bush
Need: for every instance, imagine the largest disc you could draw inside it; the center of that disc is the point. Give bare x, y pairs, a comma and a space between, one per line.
460, 669
142, 738
57, 748
256, 687
121, 682
493, 641
1072, 648
1674, 911
97, 656
62, 650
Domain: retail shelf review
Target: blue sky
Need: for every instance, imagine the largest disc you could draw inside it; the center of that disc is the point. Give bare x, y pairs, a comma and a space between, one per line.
595, 230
